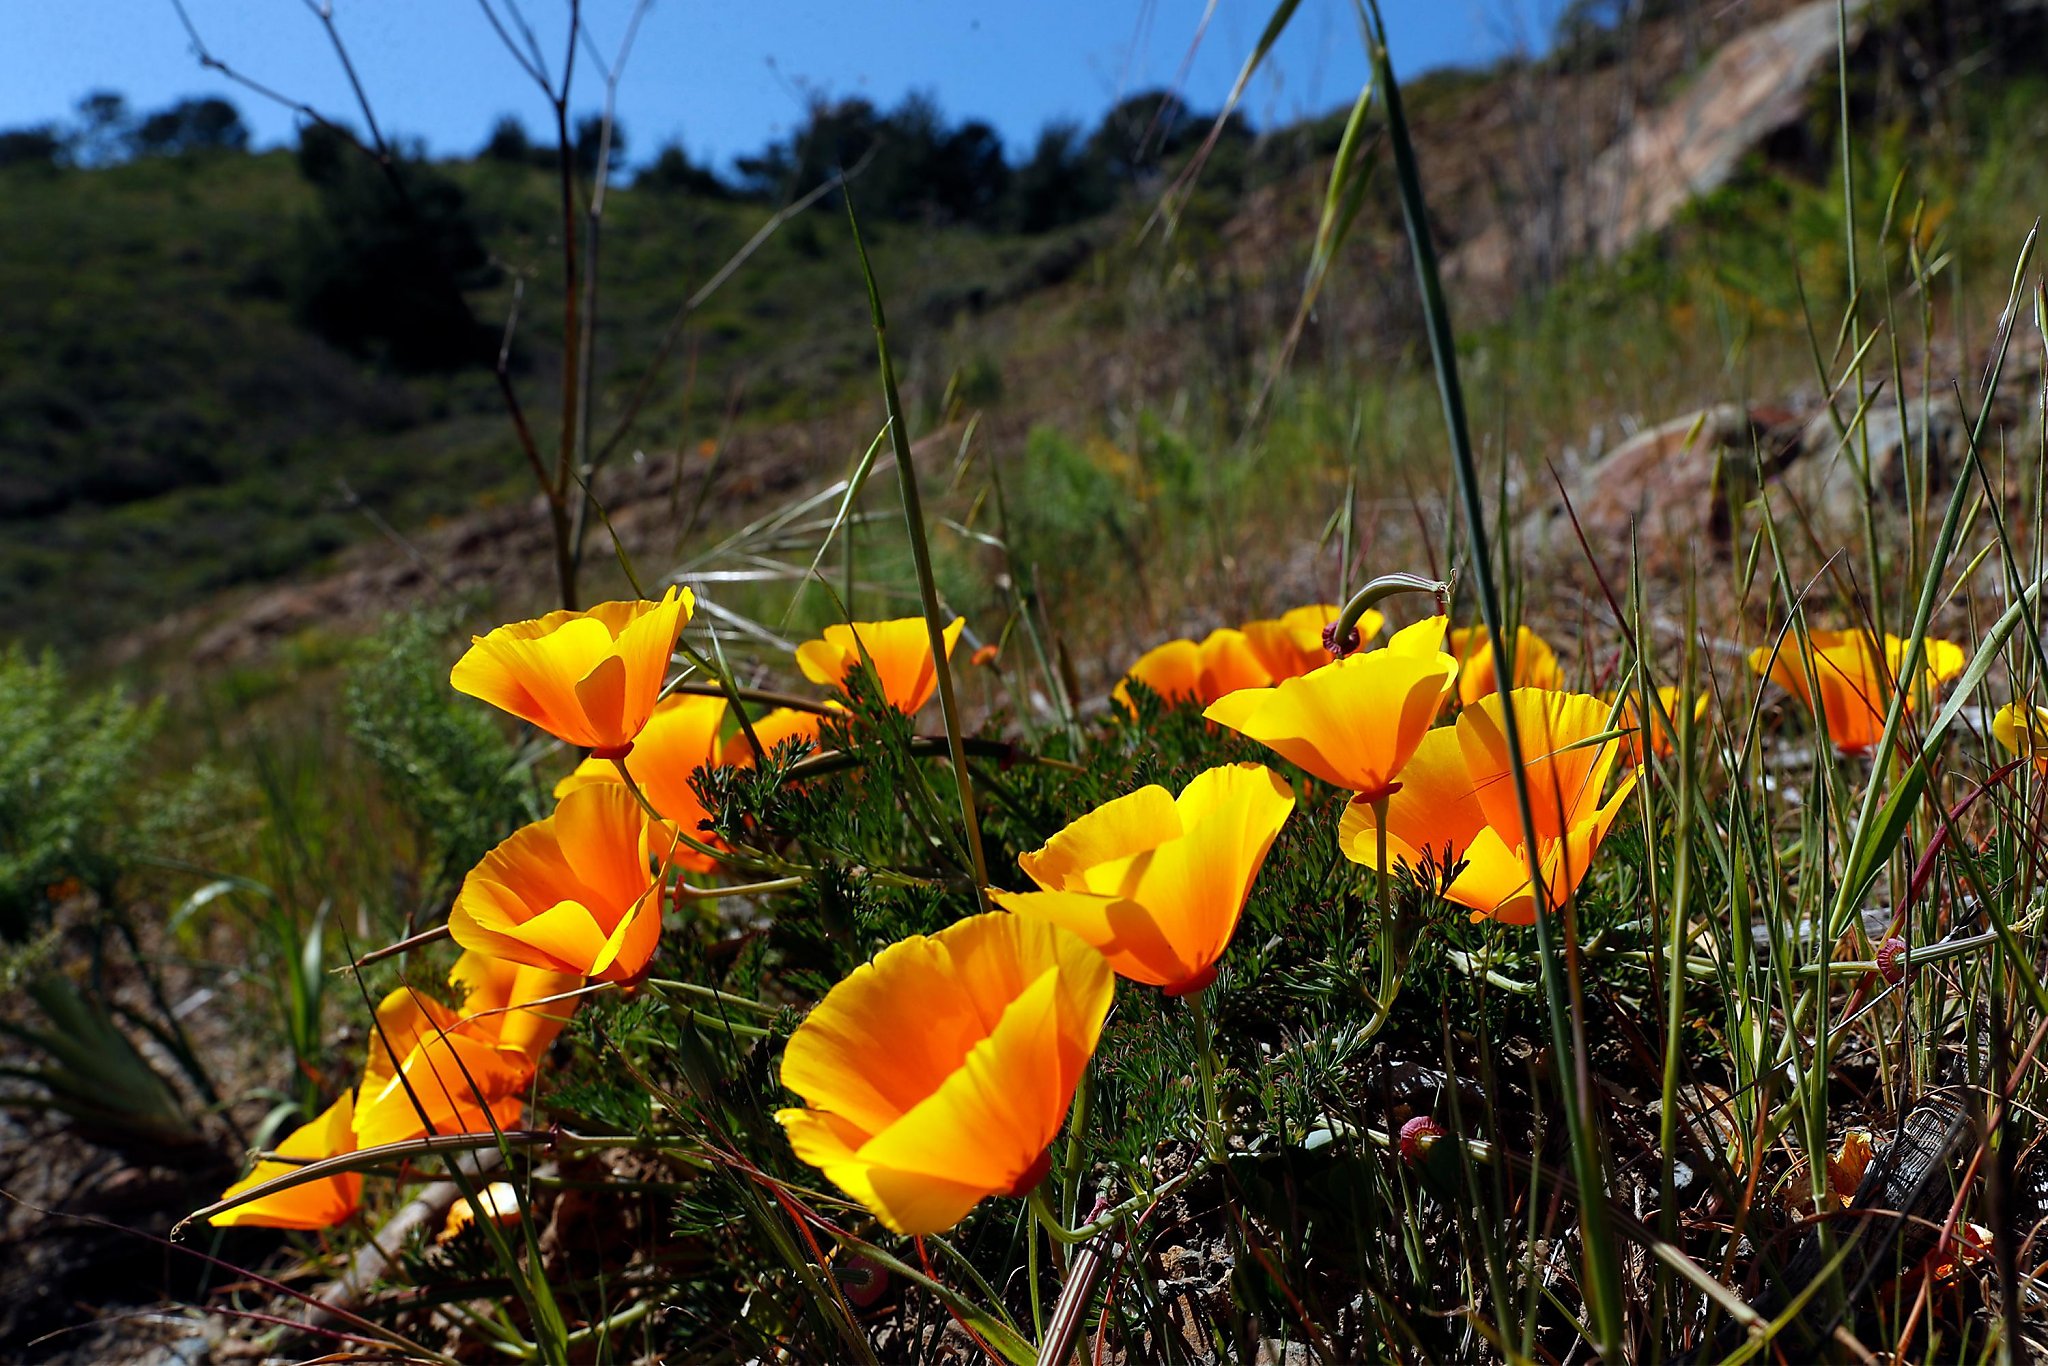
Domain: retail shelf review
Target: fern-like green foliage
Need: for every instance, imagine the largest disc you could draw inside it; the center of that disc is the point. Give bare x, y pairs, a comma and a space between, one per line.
445, 763
67, 768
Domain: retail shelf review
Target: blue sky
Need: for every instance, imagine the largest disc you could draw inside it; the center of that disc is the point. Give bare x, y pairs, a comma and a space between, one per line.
728, 77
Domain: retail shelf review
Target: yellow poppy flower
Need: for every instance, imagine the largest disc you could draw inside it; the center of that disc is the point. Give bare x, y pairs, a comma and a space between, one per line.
590, 678
680, 738
500, 1202
573, 893
1662, 742
1291, 644
1155, 882
901, 651
938, 1074
316, 1204
1855, 681
2023, 731
1181, 671
1354, 721
1536, 663
1457, 794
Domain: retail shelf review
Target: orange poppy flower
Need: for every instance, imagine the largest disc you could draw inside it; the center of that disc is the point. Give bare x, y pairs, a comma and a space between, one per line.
590, 678
680, 738
901, 651
433, 1067
938, 1074
499, 1003
1855, 681
1354, 721
1155, 882
445, 1081
1181, 671
1457, 795
1662, 742
1536, 663
316, 1204
1291, 644
776, 729
574, 893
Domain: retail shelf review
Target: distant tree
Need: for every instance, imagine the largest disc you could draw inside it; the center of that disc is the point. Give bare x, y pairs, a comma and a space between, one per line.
382, 264
101, 135
673, 171
917, 166
1583, 21
835, 136
509, 142
196, 125
1059, 183
1140, 132
589, 139
969, 175
37, 146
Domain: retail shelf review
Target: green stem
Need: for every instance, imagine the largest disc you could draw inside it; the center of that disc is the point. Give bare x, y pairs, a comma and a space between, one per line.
753, 1007
1216, 1136
1077, 1148
921, 561
1031, 1279
1060, 1233
784, 700
780, 884
1389, 937
724, 856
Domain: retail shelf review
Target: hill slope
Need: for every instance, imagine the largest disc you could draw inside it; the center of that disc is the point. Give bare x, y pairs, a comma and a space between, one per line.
169, 433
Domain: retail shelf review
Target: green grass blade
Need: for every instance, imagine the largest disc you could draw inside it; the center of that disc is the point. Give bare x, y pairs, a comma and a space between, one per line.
921, 558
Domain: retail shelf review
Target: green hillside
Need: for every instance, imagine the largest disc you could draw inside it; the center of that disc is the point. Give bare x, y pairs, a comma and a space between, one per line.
169, 430
172, 428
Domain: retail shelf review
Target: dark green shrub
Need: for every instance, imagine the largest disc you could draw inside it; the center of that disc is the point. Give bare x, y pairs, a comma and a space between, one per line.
445, 764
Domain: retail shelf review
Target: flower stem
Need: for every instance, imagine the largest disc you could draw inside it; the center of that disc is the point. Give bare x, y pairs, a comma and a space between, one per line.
1216, 1138
1077, 1153
1110, 1218
1385, 586
780, 884
1389, 937
728, 857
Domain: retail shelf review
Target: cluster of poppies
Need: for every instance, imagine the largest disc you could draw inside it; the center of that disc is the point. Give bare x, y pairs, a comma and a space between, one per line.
938, 1074
569, 900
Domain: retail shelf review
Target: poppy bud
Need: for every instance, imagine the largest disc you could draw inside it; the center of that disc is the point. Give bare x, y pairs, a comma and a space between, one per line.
1416, 1135
864, 1280
1340, 648
1888, 955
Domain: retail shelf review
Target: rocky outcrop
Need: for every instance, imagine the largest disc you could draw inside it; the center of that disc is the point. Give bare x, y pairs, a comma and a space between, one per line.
1754, 86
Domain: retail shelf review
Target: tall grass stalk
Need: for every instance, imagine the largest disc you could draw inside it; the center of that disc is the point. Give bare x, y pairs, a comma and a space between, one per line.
1603, 1279
921, 559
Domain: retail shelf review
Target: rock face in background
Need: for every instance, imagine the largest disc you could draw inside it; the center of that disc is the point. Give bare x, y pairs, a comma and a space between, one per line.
1670, 487
1754, 86
1678, 489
